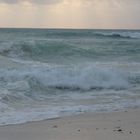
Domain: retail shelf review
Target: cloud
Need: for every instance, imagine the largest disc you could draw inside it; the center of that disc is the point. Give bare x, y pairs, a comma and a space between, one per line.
44, 1
9, 1
113, 2
31, 1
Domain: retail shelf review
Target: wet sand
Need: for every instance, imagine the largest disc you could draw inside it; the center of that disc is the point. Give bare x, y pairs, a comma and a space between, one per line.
123, 125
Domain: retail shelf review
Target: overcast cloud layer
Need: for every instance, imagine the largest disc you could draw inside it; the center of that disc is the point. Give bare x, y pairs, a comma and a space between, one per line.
30, 1
57, 1
114, 14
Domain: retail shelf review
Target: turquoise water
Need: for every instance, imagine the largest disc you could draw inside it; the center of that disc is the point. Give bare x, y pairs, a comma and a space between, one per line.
48, 73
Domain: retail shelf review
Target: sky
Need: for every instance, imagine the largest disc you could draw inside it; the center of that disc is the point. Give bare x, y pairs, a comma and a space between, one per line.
95, 14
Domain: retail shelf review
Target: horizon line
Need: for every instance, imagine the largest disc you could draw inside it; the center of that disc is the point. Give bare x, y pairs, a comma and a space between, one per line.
68, 28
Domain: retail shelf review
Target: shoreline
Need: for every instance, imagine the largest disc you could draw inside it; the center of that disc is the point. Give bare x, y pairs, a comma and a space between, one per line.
119, 125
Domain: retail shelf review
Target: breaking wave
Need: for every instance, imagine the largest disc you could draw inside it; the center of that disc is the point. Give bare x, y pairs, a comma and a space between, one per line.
28, 81
117, 35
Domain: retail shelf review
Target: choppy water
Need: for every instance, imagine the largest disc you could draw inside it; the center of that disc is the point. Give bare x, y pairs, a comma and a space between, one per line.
46, 73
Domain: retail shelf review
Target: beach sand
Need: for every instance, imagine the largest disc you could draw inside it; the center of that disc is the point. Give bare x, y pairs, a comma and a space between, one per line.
123, 125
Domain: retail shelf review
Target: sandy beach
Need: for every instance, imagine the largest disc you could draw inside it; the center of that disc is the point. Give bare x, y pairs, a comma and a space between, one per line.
102, 126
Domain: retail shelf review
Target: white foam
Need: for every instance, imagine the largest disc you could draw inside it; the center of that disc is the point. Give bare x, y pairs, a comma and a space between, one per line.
82, 77
125, 34
21, 89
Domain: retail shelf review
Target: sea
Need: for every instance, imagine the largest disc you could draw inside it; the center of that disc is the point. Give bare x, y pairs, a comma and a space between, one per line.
51, 73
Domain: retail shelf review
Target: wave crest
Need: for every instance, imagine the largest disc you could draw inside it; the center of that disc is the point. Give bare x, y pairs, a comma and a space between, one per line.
77, 77
116, 35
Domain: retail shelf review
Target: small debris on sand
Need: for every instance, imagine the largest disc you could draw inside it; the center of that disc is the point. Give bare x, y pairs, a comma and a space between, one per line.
55, 126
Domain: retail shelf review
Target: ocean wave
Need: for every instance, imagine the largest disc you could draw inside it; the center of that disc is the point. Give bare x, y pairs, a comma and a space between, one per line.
42, 50
20, 84
117, 35
93, 33
69, 50
58, 51
39, 91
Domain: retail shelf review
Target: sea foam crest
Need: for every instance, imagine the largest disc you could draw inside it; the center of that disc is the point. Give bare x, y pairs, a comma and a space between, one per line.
88, 77
72, 78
